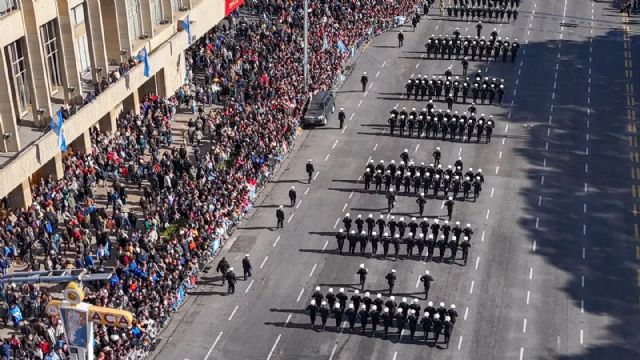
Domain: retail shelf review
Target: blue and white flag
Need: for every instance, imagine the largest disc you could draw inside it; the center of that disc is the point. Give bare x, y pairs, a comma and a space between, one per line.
325, 44
186, 25
57, 125
342, 47
144, 58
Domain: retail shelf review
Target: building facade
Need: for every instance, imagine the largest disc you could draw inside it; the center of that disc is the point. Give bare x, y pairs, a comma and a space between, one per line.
54, 52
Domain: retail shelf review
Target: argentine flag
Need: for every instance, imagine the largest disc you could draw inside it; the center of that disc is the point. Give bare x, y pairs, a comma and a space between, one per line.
57, 125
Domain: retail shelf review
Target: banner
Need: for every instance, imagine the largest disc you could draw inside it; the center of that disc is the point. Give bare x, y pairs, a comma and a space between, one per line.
230, 5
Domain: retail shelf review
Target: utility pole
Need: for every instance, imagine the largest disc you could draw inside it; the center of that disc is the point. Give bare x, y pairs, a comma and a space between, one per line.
306, 46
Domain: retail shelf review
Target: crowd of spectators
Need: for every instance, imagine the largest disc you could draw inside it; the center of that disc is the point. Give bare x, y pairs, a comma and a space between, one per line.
188, 201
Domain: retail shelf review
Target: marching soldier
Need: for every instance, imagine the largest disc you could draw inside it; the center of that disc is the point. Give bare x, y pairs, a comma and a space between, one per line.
391, 280
359, 223
342, 298
337, 314
356, 299
331, 298
412, 320
370, 224
437, 328
292, 195
280, 217
453, 314
340, 237
448, 326
427, 325
317, 295
312, 309
363, 314
442, 244
364, 238
374, 314
352, 316
362, 274
437, 154
364, 80
341, 117
420, 244
453, 245
347, 222
426, 280
374, 243
367, 179
391, 200
353, 240
310, 169
385, 245
324, 314
381, 224
449, 205
231, 281
400, 321
396, 245
386, 321
465, 245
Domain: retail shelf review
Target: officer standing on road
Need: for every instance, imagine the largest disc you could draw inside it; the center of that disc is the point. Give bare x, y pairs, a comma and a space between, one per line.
437, 155
362, 273
340, 237
426, 280
280, 217
246, 267
353, 240
341, 117
426, 324
331, 298
342, 298
371, 222
312, 309
401, 38
231, 281
478, 28
391, 200
391, 280
223, 267
364, 80
449, 204
310, 169
292, 195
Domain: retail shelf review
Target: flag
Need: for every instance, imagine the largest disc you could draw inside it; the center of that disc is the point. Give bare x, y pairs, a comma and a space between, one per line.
56, 125
342, 47
144, 57
325, 44
186, 26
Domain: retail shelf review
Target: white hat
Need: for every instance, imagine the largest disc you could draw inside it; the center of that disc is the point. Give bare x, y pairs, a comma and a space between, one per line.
454, 238
399, 310
309, 160
374, 307
363, 306
393, 270
401, 218
479, 170
313, 302
412, 311
436, 316
353, 231
381, 216
404, 299
413, 219
364, 73
421, 194
341, 289
468, 225
379, 295
362, 266
323, 303
452, 306
359, 216
450, 197
317, 288
466, 238
341, 108
357, 292
370, 215
457, 222
337, 305
427, 272
350, 306
447, 318
293, 187
373, 233
341, 230
280, 207
442, 304
331, 290
438, 148
386, 309
231, 269
347, 214
367, 294
436, 220
246, 255
430, 303
416, 301
392, 298
426, 313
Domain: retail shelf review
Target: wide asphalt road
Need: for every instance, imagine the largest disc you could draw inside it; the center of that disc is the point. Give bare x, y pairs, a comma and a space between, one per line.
553, 272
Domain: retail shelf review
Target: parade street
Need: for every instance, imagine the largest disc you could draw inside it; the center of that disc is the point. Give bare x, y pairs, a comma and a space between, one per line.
552, 271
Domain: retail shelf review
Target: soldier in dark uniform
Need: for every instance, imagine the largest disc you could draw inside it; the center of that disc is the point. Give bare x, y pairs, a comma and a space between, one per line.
442, 244
367, 301
381, 224
246, 267
356, 299
292, 196
385, 245
449, 205
352, 316
324, 314
312, 309
310, 169
437, 328
448, 327
396, 245
453, 314
337, 314
342, 298
370, 224
426, 280
331, 298
391, 280
340, 237
341, 117
362, 274
465, 245
401, 38
386, 321
391, 200
231, 281
420, 244
347, 222
374, 314
353, 240
364, 80
280, 217
363, 315
400, 321
359, 223
427, 325
453, 245
478, 28
317, 295
367, 179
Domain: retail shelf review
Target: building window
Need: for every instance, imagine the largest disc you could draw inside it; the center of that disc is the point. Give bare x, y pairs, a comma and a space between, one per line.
49, 35
7, 6
77, 15
22, 95
82, 51
156, 12
176, 5
134, 20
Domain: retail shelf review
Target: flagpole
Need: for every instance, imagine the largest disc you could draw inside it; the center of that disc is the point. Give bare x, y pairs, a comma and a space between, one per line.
306, 46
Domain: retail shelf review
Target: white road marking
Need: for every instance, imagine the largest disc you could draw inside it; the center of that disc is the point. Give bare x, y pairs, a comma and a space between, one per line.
333, 352
417, 147
521, 353
492, 191
351, 194
582, 306
418, 64
366, 92
581, 337
503, 140
530, 273
264, 261
524, 325
290, 217
352, 115
383, 63
307, 191
537, 222
233, 312
582, 281
442, 206
482, 237
584, 229
299, 203
325, 245
334, 145
460, 152
586, 188
528, 296
248, 287
471, 288
584, 208
539, 200
542, 180
316, 175
273, 348
300, 295
488, 212
276, 242
497, 169
345, 206
344, 128
375, 147
213, 346
586, 168
327, 157
466, 313
544, 162
359, 103
377, 74
477, 262
584, 253
313, 269
336, 224
460, 343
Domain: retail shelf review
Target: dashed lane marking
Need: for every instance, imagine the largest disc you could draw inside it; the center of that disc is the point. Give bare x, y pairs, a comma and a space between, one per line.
264, 261
213, 345
248, 287
233, 312
300, 295
290, 217
273, 348
313, 269
276, 242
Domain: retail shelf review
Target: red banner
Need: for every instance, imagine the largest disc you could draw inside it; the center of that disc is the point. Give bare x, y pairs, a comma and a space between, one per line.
230, 5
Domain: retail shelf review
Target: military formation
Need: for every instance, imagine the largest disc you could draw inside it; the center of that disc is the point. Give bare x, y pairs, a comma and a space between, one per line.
377, 316
458, 47
486, 10
453, 90
411, 178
